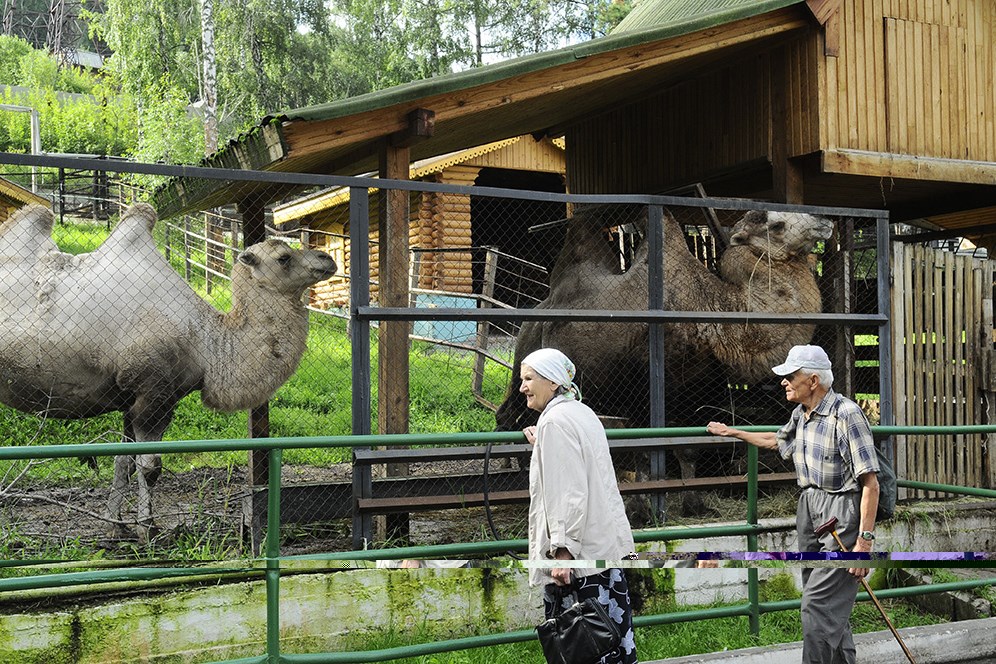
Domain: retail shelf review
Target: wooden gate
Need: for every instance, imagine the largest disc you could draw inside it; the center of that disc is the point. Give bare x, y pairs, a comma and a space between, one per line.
942, 308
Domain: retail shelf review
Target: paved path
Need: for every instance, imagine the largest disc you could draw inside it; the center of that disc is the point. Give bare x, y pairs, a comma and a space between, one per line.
965, 642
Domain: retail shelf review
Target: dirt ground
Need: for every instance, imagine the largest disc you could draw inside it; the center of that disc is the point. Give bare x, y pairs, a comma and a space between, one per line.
199, 514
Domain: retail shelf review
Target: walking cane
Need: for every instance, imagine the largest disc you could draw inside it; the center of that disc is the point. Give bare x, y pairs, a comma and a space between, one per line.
831, 527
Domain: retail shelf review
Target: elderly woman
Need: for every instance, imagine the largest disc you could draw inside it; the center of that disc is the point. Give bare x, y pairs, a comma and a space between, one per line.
575, 510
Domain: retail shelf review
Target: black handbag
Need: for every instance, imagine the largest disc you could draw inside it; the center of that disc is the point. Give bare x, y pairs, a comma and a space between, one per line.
582, 634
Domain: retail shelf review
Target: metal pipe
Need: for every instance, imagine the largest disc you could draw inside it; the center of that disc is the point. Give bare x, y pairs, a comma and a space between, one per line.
350, 441
753, 580
273, 559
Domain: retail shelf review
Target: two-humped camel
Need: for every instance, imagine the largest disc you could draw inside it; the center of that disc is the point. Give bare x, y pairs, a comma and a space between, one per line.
119, 330
766, 268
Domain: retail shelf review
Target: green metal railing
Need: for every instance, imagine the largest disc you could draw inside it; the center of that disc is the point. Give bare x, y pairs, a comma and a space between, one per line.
271, 562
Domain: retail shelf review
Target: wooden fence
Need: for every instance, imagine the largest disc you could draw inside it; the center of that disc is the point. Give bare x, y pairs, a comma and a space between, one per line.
944, 363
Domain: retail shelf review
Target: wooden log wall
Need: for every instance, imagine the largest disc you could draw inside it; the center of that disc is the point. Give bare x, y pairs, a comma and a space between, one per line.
941, 347
452, 219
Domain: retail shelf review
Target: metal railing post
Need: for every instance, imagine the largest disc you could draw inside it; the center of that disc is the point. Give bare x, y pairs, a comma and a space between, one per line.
359, 335
753, 583
273, 558
655, 301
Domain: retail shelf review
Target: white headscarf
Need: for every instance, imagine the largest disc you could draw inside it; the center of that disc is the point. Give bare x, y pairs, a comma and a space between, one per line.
554, 366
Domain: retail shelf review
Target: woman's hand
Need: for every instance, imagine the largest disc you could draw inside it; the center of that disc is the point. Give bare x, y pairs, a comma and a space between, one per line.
530, 433
562, 575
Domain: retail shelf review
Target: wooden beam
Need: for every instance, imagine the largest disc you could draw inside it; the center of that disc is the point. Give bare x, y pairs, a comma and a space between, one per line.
967, 231
827, 13
421, 124
786, 173
907, 167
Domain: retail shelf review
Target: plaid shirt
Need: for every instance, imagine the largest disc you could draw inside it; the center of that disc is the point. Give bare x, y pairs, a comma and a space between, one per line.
817, 447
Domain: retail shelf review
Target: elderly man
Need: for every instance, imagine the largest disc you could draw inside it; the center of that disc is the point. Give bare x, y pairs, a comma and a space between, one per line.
830, 443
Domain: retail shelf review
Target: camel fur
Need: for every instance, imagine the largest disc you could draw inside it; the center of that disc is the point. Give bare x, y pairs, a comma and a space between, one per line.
119, 330
766, 268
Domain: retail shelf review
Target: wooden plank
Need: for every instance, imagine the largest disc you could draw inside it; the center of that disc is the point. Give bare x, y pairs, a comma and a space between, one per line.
986, 341
957, 382
948, 391
878, 68
850, 92
858, 56
936, 349
918, 116
918, 361
874, 164
900, 343
932, 470
973, 282
946, 90
830, 119
895, 86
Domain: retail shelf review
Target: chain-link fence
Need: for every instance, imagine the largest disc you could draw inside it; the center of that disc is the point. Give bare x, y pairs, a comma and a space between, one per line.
151, 317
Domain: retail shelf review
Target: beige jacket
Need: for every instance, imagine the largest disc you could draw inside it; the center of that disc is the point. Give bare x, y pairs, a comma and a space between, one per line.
574, 502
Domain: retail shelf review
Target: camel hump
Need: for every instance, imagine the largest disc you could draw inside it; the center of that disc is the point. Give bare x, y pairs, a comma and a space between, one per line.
27, 232
141, 215
134, 228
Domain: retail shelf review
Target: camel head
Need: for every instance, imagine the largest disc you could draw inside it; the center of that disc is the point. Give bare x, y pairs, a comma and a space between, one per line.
781, 235
273, 266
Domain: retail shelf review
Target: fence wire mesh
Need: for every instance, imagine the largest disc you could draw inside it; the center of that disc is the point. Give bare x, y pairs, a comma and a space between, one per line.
107, 310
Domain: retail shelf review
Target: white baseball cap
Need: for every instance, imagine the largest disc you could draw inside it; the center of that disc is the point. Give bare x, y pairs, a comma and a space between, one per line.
803, 357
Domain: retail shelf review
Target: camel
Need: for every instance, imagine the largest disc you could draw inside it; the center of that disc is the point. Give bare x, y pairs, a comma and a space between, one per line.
766, 268
119, 330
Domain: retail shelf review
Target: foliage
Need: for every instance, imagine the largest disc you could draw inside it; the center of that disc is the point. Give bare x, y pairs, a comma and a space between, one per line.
276, 56
78, 112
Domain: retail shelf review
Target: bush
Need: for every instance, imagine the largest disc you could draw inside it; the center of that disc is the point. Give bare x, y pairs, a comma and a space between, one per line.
78, 111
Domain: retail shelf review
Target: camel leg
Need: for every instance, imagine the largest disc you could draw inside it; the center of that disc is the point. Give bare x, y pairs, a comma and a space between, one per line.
124, 466
149, 467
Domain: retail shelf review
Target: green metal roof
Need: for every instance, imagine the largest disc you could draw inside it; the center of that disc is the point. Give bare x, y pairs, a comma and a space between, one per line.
676, 21
656, 13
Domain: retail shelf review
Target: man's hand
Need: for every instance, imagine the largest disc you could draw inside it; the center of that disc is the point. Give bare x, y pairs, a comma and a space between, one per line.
530, 433
718, 429
861, 546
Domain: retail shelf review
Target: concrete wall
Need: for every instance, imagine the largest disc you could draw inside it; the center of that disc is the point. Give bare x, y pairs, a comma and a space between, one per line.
317, 609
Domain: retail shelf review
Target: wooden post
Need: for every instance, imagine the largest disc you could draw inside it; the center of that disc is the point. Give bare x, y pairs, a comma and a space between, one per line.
392, 337
488, 291
214, 250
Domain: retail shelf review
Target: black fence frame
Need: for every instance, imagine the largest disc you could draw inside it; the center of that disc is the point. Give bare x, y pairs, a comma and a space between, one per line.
362, 314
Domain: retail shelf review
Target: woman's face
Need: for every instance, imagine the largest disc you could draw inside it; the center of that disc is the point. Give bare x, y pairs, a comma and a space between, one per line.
538, 390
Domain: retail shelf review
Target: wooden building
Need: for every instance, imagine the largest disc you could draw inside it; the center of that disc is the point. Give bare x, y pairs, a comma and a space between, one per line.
13, 197
443, 228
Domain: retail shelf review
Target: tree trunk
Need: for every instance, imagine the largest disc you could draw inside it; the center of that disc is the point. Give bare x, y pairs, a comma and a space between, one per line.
210, 79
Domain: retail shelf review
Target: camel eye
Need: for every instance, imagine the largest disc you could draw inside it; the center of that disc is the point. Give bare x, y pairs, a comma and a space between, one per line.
777, 225
284, 260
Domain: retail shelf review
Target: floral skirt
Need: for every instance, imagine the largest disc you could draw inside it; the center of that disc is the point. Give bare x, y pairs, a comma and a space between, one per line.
612, 592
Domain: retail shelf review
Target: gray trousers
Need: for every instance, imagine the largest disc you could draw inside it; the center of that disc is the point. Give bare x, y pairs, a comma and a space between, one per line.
828, 592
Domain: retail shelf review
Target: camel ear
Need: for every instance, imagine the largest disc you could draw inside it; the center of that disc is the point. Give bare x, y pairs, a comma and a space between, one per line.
249, 259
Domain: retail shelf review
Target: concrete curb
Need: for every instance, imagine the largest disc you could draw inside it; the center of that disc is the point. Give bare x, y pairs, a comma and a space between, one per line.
948, 643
